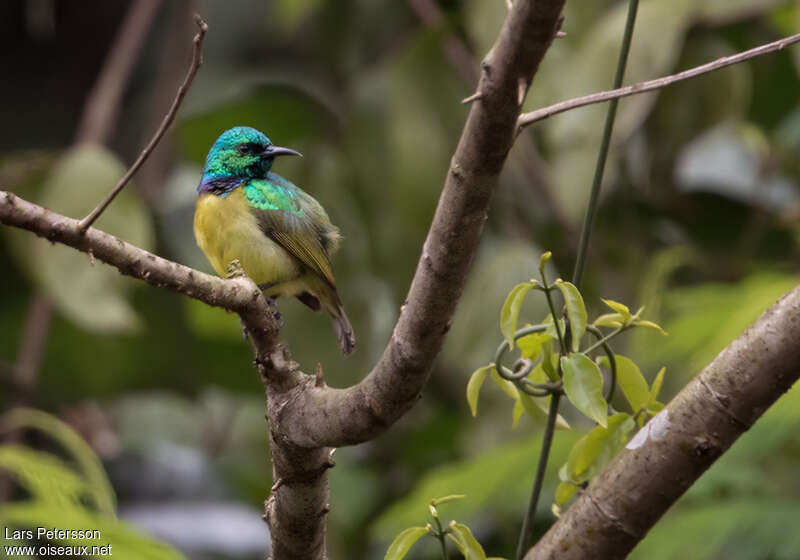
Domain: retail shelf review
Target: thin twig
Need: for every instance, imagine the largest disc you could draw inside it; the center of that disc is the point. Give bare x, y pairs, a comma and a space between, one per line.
526, 119
31, 349
197, 61
526, 537
605, 143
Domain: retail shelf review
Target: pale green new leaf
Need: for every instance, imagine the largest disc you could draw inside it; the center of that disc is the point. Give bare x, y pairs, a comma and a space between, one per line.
507, 386
651, 325
655, 388
620, 308
609, 320
509, 314
448, 498
466, 542
532, 408
550, 361
594, 450
631, 381
583, 384
517, 413
474, 387
403, 543
564, 492
576, 311
530, 346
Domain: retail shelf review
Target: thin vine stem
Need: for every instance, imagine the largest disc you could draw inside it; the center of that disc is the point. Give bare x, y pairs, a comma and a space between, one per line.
601, 341
440, 535
525, 536
602, 156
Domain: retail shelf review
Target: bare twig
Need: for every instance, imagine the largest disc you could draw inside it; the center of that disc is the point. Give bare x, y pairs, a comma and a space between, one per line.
197, 61
526, 119
102, 103
31, 348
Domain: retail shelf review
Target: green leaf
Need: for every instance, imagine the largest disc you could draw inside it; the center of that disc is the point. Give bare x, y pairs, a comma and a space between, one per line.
517, 413
609, 320
651, 325
583, 384
631, 381
403, 542
474, 387
593, 451
530, 346
507, 386
509, 314
543, 261
448, 498
90, 466
533, 410
576, 311
550, 361
655, 388
93, 295
564, 492
620, 308
654, 407
44, 476
466, 542
537, 407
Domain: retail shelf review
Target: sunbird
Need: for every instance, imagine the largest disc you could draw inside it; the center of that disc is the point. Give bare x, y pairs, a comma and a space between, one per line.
281, 236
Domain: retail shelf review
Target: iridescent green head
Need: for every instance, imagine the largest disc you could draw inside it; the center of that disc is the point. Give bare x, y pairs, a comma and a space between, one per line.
242, 152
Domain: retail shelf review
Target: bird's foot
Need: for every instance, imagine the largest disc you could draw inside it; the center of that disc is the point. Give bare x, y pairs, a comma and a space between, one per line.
273, 307
234, 269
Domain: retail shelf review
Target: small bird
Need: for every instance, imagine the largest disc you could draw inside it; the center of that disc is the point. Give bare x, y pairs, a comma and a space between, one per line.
281, 236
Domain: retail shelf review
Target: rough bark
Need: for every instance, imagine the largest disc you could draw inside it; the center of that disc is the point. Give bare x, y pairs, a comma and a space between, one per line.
700, 424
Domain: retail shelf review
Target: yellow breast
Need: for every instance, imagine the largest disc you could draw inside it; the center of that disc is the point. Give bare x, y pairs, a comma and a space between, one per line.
226, 229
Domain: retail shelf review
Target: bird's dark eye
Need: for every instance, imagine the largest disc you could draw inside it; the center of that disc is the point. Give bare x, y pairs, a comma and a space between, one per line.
244, 149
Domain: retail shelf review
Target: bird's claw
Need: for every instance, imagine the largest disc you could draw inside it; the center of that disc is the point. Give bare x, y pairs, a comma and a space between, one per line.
276, 314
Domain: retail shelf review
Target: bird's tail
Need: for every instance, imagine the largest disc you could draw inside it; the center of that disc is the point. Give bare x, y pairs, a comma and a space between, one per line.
344, 330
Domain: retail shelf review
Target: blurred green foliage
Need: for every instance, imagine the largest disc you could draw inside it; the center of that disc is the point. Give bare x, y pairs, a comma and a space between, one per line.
60, 496
699, 222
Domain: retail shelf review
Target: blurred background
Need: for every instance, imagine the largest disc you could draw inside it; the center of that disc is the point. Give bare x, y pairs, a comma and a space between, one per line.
698, 221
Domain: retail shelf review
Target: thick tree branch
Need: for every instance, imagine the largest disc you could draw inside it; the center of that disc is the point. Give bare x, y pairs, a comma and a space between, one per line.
701, 423
526, 119
325, 417
197, 61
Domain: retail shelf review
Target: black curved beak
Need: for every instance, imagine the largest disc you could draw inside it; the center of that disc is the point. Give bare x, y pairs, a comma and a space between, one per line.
273, 151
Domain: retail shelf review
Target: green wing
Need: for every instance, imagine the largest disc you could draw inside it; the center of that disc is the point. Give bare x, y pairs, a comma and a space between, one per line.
294, 220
